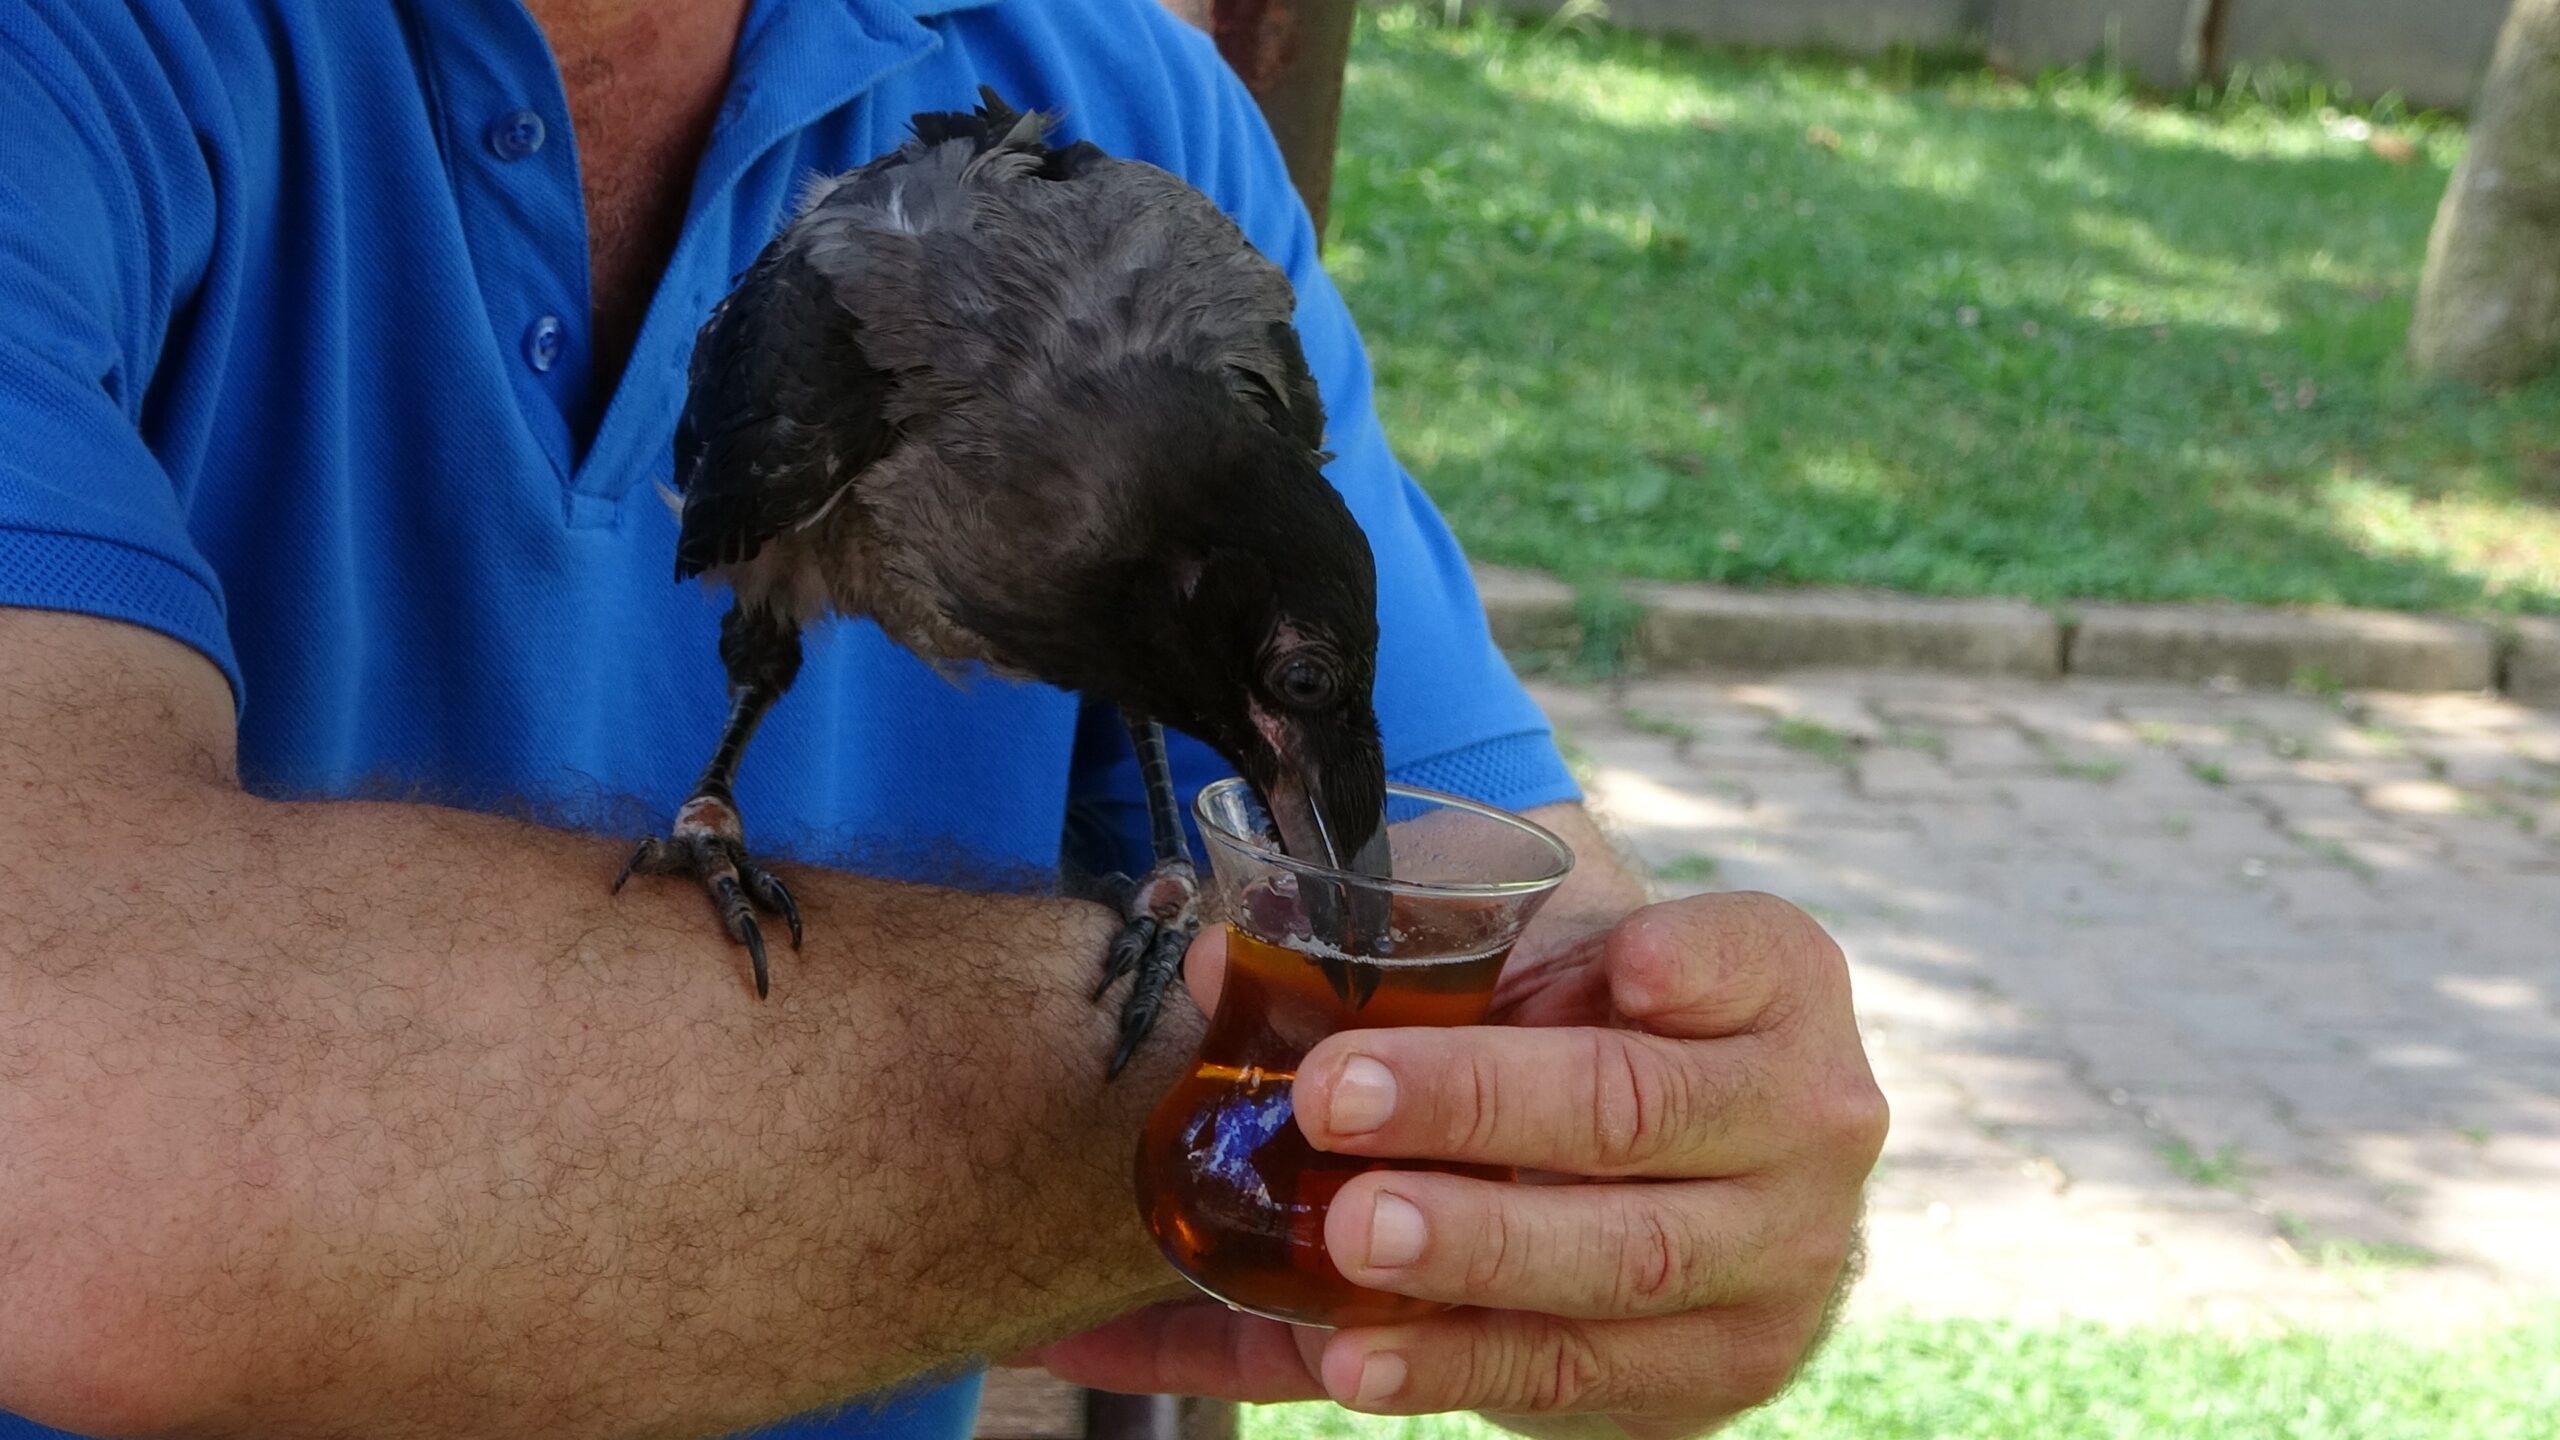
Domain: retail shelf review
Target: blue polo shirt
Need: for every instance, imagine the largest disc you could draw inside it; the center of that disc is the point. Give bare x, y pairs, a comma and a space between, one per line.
294, 369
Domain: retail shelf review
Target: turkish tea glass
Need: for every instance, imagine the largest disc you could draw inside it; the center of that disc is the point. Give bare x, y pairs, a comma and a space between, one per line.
1229, 1186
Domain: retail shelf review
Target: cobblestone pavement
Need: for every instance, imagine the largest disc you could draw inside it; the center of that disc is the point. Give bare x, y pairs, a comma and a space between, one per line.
2239, 1009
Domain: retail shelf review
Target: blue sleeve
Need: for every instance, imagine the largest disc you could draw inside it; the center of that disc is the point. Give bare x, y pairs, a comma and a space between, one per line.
1453, 715
105, 207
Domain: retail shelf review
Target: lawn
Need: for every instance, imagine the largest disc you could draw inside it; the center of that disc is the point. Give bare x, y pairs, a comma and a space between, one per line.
1645, 309
1974, 1380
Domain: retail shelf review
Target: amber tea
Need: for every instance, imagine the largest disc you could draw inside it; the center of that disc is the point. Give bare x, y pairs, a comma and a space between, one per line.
1224, 1143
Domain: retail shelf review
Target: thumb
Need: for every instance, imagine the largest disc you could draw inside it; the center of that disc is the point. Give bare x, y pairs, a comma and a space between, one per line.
1204, 967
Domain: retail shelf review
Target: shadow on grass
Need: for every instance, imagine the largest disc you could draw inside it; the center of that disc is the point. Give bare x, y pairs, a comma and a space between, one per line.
1648, 310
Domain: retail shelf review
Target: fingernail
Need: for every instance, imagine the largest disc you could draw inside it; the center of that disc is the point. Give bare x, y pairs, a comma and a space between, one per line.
1381, 1376
1395, 1233
1364, 1095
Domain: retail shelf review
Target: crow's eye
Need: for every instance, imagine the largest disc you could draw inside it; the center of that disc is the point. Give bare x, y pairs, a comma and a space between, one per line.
1302, 684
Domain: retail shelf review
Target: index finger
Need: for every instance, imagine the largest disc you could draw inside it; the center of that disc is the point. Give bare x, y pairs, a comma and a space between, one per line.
1578, 1100
1712, 966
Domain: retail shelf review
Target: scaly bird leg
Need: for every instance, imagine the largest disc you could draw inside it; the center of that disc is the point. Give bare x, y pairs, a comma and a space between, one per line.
708, 839
1161, 912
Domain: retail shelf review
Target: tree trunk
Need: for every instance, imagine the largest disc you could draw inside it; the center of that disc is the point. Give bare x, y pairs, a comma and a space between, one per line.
2489, 302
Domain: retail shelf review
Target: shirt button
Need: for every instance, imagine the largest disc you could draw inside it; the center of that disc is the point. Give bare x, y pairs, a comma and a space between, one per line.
516, 134
542, 342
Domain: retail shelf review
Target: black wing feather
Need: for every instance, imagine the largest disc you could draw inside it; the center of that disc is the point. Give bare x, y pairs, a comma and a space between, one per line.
781, 412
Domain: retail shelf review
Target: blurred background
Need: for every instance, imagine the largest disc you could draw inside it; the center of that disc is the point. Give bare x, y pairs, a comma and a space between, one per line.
2218, 1000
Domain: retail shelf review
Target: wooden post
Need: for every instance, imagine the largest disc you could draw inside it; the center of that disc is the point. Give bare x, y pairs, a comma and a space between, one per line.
1290, 54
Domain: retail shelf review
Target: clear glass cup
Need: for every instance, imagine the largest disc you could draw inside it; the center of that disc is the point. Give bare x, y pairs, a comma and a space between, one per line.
1229, 1186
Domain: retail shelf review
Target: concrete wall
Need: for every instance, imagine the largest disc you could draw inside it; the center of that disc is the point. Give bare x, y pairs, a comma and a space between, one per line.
2155, 39
1857, 26
2431, 51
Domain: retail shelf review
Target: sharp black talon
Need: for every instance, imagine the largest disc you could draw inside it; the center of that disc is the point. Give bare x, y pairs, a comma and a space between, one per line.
1163, 951
739, 918
773, 895
1130, 1040
1126, 947
1112, 891
1136, 1019
755, 955
644, 852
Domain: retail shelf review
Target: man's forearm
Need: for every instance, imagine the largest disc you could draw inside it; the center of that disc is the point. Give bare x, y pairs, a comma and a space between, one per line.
353, 1118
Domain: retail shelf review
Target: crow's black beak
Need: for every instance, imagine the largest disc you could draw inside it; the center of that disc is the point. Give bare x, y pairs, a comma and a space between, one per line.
1314, 829
1330, 806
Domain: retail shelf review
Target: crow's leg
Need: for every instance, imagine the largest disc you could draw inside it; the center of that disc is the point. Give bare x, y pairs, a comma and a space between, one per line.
1160, 912
708, 841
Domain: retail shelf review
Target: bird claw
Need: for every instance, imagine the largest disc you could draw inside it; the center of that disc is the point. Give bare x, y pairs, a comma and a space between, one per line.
1160, 915
705, 845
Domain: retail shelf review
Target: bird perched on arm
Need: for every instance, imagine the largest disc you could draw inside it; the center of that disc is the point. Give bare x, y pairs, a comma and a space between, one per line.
1043, 410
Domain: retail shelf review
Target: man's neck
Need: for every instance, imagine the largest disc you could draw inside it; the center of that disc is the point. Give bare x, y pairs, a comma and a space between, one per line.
644, 80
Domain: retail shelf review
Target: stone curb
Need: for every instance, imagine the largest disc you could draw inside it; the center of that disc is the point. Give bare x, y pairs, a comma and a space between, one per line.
1679, 626
1697, 627
1527, 610
2533, 666
2359, 649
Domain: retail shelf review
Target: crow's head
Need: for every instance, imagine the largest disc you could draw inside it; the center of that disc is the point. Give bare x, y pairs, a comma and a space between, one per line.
1227, 593
1275, 604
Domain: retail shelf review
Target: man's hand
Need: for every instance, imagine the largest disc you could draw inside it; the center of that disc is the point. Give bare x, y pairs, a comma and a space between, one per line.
1691, 1077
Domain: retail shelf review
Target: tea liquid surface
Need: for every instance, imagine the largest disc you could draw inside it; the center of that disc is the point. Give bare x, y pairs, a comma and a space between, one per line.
1232, 1190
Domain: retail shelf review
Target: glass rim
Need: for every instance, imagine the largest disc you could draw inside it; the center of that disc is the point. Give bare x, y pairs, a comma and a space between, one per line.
1254, 846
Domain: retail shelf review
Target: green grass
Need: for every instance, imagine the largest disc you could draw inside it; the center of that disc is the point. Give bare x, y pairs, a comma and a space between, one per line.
1689, 868
2103, 769
2493, 807
2334, 852
2320, 682
1604, 620
2346, 1252
2383, 739
1635, 313
2220, 1170
1986, 1380
1667, 727
1813, 738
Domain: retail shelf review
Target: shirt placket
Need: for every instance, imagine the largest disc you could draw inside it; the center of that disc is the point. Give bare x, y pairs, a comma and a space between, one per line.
510, 159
